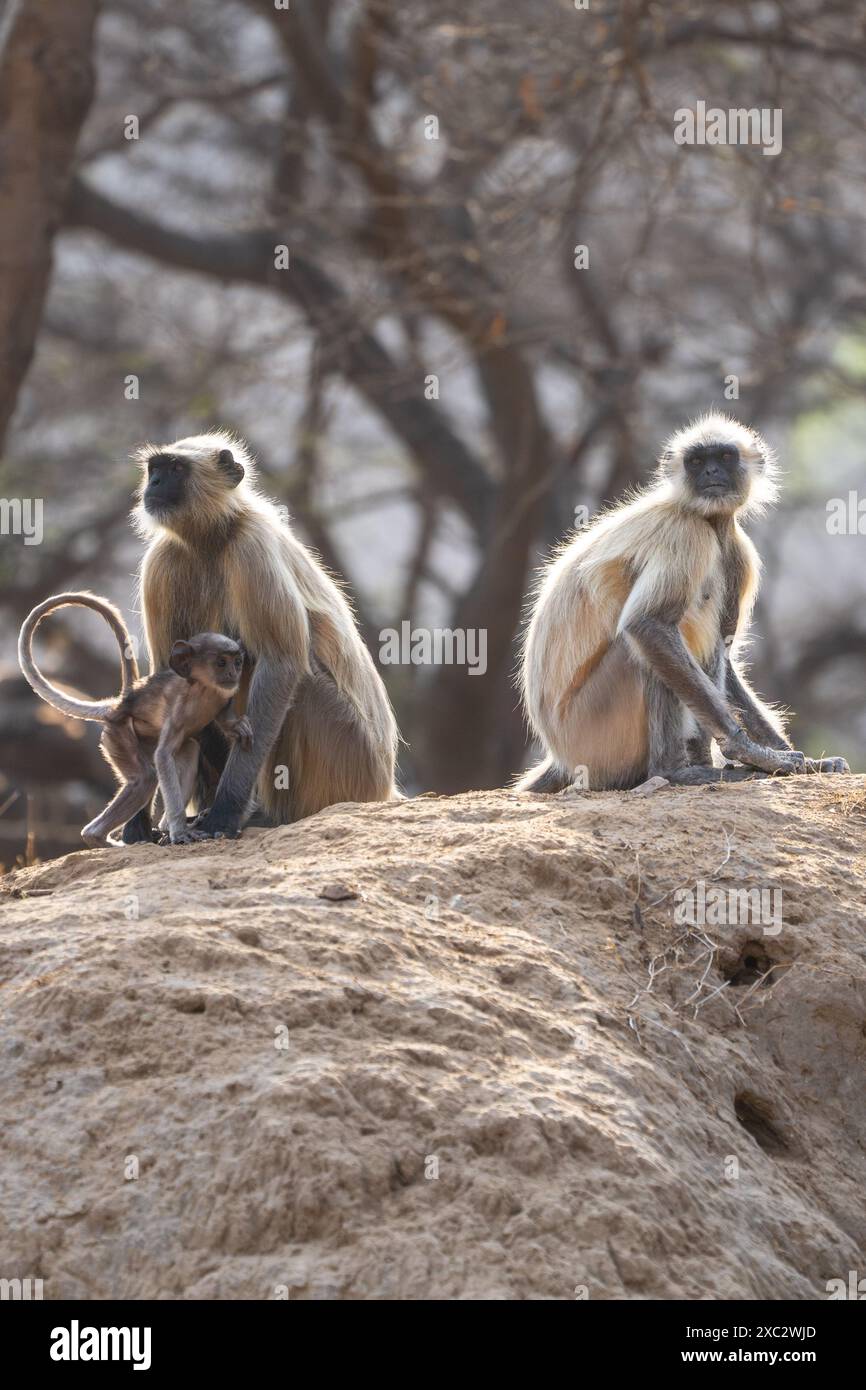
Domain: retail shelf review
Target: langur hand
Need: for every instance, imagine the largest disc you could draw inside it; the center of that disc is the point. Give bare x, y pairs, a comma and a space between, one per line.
243, 732
741, 749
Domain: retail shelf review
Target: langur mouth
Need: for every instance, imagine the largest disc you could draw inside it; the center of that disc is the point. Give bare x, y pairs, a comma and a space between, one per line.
157, 509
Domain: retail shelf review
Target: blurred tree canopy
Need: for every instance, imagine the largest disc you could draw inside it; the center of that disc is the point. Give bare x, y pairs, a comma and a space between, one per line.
446, 268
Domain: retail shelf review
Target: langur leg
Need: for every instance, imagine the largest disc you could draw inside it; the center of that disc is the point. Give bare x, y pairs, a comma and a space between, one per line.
123, 751
176, 769
664, 651
597, 736
139, 829
679, 746
698, 739
699, 747
272, 690
186, 766
130, 799
701, 775
666, 718
213, 751
213, 755
331, 755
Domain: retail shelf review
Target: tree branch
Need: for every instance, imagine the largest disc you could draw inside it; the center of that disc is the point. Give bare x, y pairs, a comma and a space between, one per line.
248, 258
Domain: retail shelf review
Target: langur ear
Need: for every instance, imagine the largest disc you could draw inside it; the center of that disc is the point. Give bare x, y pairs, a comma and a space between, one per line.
233, 470
181, 657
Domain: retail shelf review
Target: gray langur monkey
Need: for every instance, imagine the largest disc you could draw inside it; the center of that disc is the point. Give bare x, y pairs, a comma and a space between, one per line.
630, 656
148, 730
221, 556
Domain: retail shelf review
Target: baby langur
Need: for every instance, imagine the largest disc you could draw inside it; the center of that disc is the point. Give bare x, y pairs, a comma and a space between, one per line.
630, 661
148, 730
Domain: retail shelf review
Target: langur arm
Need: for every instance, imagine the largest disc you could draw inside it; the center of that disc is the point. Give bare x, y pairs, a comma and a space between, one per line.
749, 710
660, 645
758, 726
272, 690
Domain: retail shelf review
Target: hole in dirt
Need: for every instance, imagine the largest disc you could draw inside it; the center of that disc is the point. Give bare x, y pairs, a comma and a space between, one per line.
751, 964
756, 1117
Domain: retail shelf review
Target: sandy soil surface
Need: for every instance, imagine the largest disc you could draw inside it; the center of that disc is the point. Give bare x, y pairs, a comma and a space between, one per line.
509, 1067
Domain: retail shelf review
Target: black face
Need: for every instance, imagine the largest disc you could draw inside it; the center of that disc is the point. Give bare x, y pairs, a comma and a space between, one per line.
714, 470
166, 483
209, 657
227, 667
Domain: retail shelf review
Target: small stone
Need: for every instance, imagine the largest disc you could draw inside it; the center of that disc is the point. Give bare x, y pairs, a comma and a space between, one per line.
655, 784
338, 892
248, 935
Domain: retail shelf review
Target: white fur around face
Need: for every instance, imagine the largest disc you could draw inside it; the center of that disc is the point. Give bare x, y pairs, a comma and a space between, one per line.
716, 428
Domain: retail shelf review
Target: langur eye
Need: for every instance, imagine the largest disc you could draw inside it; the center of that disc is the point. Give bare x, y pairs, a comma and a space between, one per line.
728, 456
175, 467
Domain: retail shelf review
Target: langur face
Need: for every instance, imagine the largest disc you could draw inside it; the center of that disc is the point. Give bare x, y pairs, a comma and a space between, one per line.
716, 467
189, 482
226, 667
166, 486
714, 472
211, 659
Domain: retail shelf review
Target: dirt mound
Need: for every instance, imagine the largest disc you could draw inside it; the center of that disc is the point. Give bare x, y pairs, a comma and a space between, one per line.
539, 1054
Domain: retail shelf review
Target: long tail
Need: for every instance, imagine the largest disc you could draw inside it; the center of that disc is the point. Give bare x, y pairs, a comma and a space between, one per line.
68, 704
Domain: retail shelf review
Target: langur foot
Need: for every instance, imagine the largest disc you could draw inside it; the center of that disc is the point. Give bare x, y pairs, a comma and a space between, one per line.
699, 776
93, 841
827, 765
215, 825
138, 831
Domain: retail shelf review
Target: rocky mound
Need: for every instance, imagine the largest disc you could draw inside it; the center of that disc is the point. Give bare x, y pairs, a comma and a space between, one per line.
489, 1046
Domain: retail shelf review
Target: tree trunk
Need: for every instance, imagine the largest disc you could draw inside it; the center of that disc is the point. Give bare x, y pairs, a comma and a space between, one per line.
474, 735
46, 86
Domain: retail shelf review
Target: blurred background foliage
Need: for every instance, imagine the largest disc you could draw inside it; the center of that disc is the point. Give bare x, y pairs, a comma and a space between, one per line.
412, 259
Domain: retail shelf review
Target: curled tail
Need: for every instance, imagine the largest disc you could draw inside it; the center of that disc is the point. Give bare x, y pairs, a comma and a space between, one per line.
546, 776
68, 704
